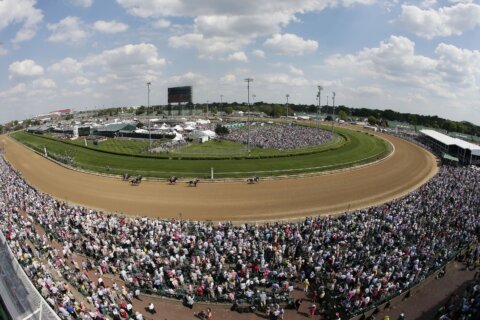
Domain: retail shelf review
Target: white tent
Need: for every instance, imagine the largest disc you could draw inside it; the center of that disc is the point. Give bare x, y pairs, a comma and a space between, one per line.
189, 128
201, 121
178, 128
207, 133
178, 137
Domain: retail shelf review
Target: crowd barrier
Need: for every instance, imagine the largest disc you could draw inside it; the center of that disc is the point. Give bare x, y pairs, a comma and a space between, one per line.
21, 298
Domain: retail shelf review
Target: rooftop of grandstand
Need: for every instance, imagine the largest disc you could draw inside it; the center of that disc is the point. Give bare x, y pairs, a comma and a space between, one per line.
447, 140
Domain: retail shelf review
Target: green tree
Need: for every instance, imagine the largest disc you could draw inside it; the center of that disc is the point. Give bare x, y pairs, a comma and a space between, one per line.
372, 120
450, 126
343, 115
221, 130
228, 110
140, 110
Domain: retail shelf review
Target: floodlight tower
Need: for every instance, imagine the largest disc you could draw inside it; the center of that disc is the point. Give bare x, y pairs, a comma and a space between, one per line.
320, 88
333, 103
287, 96
248, 80
148, 107
221, 102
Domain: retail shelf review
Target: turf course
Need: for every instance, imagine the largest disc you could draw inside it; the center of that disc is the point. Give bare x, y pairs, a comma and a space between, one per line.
356, 148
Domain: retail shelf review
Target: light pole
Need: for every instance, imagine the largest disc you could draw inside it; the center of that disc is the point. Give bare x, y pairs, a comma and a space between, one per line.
287, 95
207, 109
221, 102
248, 80
320, 88
333, 115
148, 107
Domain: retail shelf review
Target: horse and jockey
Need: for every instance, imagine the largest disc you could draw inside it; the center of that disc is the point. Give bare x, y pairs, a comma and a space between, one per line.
253, 180
173, 180
193, 183
136, 180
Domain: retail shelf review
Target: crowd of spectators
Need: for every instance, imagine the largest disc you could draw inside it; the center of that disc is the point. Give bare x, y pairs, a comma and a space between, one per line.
346, 263
280, 136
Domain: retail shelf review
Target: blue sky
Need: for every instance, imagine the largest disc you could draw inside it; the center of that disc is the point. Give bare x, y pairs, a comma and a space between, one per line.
420, 56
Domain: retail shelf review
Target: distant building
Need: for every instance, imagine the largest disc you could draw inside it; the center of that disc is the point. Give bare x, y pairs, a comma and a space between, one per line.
60, 113
452, 149
53, 115
111, 130
40, 129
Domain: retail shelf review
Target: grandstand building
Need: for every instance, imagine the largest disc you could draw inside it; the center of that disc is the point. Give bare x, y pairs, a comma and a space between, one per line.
451, 149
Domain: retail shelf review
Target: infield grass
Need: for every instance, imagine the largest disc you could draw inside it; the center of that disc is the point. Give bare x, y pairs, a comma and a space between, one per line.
356, 148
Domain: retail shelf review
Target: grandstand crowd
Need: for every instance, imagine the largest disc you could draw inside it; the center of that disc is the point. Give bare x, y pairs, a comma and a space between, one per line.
280, 137
345, 264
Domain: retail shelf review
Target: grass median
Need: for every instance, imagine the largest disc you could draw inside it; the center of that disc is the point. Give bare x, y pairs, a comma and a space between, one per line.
357, 148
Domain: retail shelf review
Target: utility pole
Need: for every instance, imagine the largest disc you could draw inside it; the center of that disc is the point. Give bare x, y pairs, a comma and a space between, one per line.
320, 88
149, 124
248, 80
333, 116
287, 96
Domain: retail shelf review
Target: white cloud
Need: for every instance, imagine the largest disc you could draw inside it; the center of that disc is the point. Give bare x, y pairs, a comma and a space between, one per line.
44, 83
294, 70
172, 8
20, 12
441, 22
223, 24
80, 81
258, 53
284, 79
369, 90
394, 62
69, 30
247, 26
189, 78
67, 65
110, 26
290, 44
13, 92
228, 78
459, 66
206, 45
82, 3
25, 68
111, 77
161, 24
129, 62
238, 56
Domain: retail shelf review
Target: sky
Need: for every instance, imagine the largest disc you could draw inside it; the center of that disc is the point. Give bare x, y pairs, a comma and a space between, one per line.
418, 56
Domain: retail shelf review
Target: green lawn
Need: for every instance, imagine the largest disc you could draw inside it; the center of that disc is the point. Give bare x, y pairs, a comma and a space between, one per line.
356, 148
125, 146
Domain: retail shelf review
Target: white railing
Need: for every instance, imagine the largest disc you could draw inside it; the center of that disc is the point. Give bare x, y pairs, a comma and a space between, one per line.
19, 295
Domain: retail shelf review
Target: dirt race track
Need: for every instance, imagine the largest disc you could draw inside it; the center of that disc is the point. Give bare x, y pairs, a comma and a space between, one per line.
406, 169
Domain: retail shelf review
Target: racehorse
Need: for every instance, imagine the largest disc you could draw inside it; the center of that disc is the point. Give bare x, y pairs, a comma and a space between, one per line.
126, 176
253, 180
136, 180
173, 180
193, 183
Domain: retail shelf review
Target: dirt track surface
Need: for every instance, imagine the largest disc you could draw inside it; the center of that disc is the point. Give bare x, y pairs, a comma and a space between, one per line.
408, 168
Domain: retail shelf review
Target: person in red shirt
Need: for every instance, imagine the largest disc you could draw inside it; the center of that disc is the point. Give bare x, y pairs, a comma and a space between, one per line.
312, 310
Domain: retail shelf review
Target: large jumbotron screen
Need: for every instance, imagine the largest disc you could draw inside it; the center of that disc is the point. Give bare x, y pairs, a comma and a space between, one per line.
180, 94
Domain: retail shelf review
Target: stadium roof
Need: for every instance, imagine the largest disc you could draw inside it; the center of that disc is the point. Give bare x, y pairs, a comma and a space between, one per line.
449, 141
